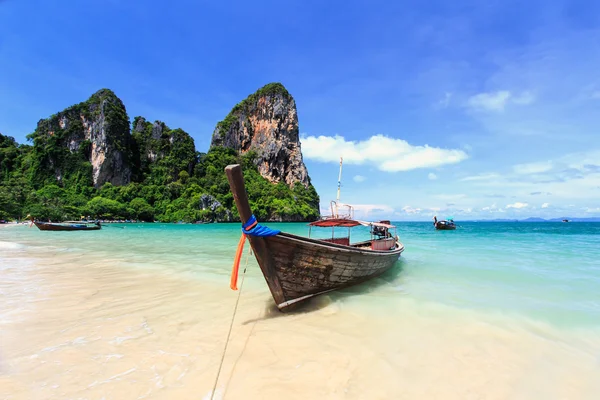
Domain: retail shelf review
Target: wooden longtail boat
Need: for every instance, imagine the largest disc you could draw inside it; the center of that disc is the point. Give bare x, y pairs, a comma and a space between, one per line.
67, 226
297, 268
447, 225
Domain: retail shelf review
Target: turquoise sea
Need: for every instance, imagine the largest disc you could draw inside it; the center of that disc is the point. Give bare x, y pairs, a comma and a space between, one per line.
492, 289
544, 271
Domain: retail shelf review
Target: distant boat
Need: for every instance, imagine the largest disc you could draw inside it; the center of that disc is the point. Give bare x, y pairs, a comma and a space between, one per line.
565, 220
68, 226
297, 268
444, 225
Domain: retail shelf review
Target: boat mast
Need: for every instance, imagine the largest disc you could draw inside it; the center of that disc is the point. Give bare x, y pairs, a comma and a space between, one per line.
337, 200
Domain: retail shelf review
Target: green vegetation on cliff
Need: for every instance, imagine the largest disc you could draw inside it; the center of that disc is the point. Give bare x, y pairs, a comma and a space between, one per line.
62, 144
270, 89
203, 196
161, 154
146, 172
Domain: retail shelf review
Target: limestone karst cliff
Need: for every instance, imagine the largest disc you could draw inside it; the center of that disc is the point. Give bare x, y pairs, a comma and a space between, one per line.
89, 160
266, 122
96, 131
156, 146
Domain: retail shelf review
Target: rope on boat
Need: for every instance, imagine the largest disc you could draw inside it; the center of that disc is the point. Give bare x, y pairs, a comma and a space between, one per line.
253, 228
230, 327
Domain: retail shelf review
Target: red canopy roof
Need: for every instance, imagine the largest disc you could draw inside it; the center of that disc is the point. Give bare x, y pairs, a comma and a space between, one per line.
343, 222
346, 223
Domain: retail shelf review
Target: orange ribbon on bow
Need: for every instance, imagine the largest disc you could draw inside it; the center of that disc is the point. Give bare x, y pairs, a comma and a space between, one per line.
236, 263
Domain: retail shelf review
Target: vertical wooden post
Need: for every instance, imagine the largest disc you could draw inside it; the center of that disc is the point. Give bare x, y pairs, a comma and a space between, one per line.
238, 189
259, 244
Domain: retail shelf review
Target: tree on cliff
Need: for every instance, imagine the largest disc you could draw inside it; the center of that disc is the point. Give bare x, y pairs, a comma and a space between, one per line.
89, 160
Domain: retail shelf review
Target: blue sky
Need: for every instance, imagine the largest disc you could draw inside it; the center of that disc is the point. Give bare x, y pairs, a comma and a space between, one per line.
465, 108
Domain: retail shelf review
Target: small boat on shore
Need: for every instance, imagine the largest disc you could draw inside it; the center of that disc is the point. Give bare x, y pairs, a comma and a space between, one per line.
67, 226
297, 268
444, 225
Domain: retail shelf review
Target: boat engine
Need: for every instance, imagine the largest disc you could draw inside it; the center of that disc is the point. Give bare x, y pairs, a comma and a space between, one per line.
380, 231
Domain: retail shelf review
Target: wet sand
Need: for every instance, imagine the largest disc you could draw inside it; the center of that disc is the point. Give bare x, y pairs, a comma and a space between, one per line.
74, 327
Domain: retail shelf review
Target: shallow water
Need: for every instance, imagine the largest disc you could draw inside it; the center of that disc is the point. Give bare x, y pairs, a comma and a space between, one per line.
491, 310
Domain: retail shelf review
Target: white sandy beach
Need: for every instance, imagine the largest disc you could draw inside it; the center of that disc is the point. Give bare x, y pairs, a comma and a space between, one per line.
75, 327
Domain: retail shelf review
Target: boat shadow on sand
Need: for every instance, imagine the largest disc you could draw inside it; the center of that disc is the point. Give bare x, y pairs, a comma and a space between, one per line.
320, 302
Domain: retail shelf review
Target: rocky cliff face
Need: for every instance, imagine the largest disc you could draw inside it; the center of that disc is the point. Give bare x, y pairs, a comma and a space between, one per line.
97, 131
154, 171
155, 144
267, 123
208, 202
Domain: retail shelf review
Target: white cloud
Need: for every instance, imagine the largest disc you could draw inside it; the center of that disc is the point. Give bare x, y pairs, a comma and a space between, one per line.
490, 208
372, 210
489, 101
524, 99
581, 160
533, 168
432, 176
325, 209
387, 154
545, 205
372, 207
359, 178
517, 205
445, 102
481, 177
410, 210
360, 210
497, 101
573, 175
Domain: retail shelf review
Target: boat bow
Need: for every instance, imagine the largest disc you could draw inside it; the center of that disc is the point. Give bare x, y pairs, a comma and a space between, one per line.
297, 268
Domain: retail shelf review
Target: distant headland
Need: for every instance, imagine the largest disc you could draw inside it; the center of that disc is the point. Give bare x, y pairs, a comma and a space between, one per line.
90, 160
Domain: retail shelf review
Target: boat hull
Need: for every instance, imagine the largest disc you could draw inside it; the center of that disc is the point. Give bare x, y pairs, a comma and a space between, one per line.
444, 226
49, 226
298, 268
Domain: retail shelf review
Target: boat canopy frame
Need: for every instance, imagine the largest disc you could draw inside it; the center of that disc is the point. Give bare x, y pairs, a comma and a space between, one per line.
375, 227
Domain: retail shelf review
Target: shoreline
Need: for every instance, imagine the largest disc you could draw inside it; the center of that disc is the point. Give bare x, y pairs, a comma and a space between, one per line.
12, 224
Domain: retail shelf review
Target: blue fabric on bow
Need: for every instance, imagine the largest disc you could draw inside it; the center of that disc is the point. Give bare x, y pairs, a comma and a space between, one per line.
251, 227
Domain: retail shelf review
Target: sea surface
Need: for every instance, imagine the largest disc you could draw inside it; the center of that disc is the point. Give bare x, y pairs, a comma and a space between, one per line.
133, 311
